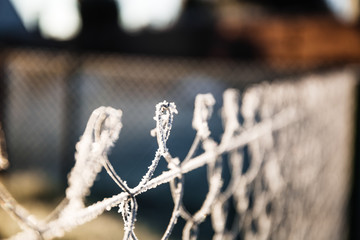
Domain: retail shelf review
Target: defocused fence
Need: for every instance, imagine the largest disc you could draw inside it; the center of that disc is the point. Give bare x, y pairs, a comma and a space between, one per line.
48, 97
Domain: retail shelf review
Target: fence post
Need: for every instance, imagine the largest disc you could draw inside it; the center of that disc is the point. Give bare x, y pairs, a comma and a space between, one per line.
3, 87
70, 114
354, 208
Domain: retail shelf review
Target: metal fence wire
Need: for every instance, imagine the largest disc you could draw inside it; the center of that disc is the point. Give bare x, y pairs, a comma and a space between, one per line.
293, 181
49, 95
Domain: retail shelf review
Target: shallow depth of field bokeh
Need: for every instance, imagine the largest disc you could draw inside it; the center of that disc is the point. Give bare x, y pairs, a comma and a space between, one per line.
131, 55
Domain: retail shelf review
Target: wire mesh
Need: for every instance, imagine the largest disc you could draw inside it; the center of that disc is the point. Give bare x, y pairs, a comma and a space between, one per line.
294, 182
50, 94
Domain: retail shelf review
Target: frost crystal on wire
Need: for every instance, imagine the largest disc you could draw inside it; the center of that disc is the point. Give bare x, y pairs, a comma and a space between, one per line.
164, 115
254, 191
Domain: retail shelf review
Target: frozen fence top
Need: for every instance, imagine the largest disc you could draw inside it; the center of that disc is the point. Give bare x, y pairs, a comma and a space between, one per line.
289, 158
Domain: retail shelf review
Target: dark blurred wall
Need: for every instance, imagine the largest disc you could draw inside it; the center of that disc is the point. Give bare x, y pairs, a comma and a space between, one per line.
289, 31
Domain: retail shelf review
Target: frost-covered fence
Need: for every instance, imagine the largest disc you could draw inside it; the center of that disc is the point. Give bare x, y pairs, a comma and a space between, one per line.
287, 145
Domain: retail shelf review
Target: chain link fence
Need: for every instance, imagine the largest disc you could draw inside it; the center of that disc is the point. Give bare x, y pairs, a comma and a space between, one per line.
49, 95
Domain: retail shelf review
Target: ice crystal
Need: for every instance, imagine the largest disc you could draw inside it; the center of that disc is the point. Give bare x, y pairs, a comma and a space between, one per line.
251, 189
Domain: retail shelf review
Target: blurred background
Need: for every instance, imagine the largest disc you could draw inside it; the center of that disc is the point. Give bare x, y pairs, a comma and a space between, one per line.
298, 31
61, 59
